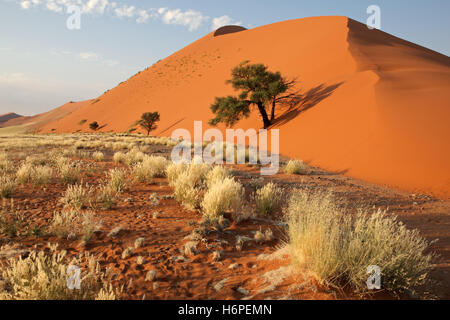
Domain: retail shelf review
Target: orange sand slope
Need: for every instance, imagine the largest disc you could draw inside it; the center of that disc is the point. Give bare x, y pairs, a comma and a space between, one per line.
374, 106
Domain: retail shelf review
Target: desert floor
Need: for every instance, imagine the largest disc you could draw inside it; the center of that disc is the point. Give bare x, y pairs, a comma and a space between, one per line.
258, 271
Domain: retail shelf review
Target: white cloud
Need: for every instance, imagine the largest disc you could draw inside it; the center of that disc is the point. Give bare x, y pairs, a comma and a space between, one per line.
53, 6
88, 56
125, 11
223, 21
192, 19
25, 4
143, 16
95, 6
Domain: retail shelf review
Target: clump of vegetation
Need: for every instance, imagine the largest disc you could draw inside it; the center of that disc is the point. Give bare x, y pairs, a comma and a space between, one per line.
148, 121
190, 183
268, 199
218, 173
150, 168
24, 173
94, 126
41, 175
73, 223
258, 87
295, 167
77, 197
256, 183
120, 157
223, 196
106, 196
338, 248
44, 276
117, 181
36, 174
68, 171
174, 170
7, 186
6, 166
98, 156
10, 220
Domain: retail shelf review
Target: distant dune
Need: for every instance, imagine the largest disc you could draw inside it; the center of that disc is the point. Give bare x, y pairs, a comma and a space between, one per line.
373, 106
24, 124
8, 116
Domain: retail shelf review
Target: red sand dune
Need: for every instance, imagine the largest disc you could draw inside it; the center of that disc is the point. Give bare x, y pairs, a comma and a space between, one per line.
8, 116
34, 123
374, 106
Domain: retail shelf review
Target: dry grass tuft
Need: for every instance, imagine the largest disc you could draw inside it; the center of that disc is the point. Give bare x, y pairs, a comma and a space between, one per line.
117, 181
98, 156
77, 197
72, 224
338, 248
7, 186
45, 276
295, 167
268, 199
223, 196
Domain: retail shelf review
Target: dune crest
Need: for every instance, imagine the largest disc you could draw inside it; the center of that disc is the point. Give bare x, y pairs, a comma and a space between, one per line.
372, 106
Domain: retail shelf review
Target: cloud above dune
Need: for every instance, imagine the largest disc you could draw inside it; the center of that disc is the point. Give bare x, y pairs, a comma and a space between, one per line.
223, 21
190, 18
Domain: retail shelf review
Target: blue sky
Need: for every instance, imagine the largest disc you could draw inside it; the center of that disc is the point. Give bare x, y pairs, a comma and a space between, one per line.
43, 64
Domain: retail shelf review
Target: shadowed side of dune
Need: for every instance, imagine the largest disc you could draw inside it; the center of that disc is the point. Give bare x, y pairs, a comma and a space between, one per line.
409, 129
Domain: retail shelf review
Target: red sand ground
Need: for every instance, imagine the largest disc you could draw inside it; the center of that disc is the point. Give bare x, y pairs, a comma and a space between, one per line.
196, 277
374, 106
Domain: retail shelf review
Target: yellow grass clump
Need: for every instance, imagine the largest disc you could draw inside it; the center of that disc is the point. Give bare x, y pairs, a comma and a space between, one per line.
77, 197
48, 276
338, 248
268, 199
7, 186
73, 223
295, 167
98, 156
223, 196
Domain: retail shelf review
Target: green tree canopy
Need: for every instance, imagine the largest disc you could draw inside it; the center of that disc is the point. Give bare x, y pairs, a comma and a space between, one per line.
94, 125
148, 121
258, 87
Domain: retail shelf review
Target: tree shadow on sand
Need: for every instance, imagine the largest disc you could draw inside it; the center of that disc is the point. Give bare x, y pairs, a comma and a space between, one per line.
302, 102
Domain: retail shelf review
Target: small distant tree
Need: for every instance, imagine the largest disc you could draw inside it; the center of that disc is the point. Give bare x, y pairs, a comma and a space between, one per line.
148, 121
93, 126
258, 87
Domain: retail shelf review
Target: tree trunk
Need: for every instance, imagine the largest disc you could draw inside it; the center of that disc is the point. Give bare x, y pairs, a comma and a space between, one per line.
264, 115
272, 116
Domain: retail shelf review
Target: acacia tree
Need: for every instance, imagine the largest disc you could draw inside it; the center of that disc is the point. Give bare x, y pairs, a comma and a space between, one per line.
94, 125
258, 87
148, 121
